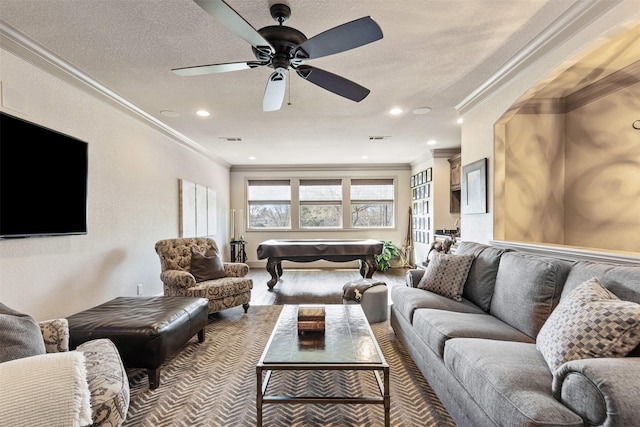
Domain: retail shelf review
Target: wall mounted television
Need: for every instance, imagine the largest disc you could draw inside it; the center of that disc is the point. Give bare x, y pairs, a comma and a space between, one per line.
43, 181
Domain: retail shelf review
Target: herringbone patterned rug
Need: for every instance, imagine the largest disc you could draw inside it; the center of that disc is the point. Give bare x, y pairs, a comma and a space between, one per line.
214, 383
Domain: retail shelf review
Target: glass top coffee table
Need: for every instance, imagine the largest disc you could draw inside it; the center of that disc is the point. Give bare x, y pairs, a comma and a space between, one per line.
348, 344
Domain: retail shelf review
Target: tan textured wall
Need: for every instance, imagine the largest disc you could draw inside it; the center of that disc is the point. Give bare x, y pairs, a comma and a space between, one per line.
602, 198
534, 179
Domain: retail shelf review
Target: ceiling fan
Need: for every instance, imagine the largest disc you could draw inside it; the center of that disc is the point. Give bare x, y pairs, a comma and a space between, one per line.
283, 48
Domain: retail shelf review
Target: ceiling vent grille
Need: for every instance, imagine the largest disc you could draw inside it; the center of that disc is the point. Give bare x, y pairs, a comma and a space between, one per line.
231, 138
378, 138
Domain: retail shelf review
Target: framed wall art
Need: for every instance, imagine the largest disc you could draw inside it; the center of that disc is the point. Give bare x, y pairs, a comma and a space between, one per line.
474, 187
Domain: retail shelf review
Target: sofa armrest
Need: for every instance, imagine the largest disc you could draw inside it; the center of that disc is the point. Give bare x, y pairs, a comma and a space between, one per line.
108, 382
178, 279
236, 269
413, 277
55, 333
602, 391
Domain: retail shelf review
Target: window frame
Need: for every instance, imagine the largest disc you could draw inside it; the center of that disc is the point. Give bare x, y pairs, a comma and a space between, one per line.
346, 203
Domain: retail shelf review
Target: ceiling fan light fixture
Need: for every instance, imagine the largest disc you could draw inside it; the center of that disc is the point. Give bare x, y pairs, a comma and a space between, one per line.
282, 48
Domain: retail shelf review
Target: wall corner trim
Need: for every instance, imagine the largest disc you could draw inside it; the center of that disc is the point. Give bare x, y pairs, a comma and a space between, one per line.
32, 52
577, 17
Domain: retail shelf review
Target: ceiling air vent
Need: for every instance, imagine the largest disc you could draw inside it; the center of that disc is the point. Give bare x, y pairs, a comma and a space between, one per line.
378, 138
231, 138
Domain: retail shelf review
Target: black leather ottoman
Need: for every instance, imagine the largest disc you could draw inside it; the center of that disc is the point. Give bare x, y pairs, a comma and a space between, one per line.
146, 330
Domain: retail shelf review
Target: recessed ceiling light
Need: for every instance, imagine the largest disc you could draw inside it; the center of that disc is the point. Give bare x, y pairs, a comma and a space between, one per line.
203, 113
459, 121
421, 110
364, 157
395, 111
169, 113
432, 142
251, 157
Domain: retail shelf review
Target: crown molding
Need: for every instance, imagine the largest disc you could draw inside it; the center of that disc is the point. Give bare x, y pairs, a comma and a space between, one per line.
22, 46
621, 79
445, 153
577, 17
315, 168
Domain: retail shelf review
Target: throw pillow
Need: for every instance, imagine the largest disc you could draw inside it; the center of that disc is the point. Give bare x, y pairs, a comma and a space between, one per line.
589, 322
20, 335
207, 265
446, 274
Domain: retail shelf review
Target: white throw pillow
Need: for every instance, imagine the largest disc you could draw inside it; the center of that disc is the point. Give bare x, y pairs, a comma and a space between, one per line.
446, 275
589, 322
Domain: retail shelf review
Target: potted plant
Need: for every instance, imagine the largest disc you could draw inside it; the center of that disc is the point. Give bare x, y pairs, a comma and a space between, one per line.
389, 251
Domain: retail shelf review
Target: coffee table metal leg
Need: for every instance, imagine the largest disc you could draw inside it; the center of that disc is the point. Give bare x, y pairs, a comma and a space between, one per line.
259, 397
386, 397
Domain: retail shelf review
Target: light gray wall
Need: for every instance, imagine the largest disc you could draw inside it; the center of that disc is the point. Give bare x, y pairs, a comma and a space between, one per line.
133, 200
253, 238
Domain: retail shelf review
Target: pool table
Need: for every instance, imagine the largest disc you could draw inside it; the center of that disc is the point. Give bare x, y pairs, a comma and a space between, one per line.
308, 250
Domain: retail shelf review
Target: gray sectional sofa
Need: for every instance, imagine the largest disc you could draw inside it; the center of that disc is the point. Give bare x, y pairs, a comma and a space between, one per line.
480, 356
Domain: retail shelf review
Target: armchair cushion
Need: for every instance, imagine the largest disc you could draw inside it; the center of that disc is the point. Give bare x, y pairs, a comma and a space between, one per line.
45, 390
206, 265
20, 335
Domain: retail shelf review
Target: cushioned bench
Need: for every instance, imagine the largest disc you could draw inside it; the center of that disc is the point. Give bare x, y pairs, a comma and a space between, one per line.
146, 330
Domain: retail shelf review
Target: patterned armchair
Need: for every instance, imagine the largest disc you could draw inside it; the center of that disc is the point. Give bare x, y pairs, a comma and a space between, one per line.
226, 292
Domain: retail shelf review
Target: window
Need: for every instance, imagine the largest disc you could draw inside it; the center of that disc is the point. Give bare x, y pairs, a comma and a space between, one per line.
269, 203
372, 203
320, 203
315, 204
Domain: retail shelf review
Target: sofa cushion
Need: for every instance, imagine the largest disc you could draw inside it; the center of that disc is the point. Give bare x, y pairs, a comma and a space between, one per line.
406, 300
436, 327
20, 335
446, 275
509, 380
590, 322
206, 265
482, 275
527, 289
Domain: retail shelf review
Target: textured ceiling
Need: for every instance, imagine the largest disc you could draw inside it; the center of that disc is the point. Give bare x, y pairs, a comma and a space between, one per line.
433, 54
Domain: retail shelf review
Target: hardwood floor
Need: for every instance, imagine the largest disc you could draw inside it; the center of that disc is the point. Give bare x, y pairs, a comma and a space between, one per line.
313, 286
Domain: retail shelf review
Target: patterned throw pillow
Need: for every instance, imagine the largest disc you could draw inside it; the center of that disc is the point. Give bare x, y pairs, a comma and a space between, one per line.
589, 322
206, 266
446, 275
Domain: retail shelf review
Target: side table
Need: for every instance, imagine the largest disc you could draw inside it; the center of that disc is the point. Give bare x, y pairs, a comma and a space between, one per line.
238, 253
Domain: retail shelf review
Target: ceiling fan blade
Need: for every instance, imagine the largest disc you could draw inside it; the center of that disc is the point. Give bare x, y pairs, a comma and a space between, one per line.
333, 83
228, 17
275, 90
338, 39
199, 70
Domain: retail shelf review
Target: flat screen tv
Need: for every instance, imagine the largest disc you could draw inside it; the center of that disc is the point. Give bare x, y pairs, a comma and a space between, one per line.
43, 181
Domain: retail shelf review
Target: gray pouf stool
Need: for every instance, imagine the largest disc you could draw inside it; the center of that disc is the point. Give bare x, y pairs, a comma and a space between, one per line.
371, 294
